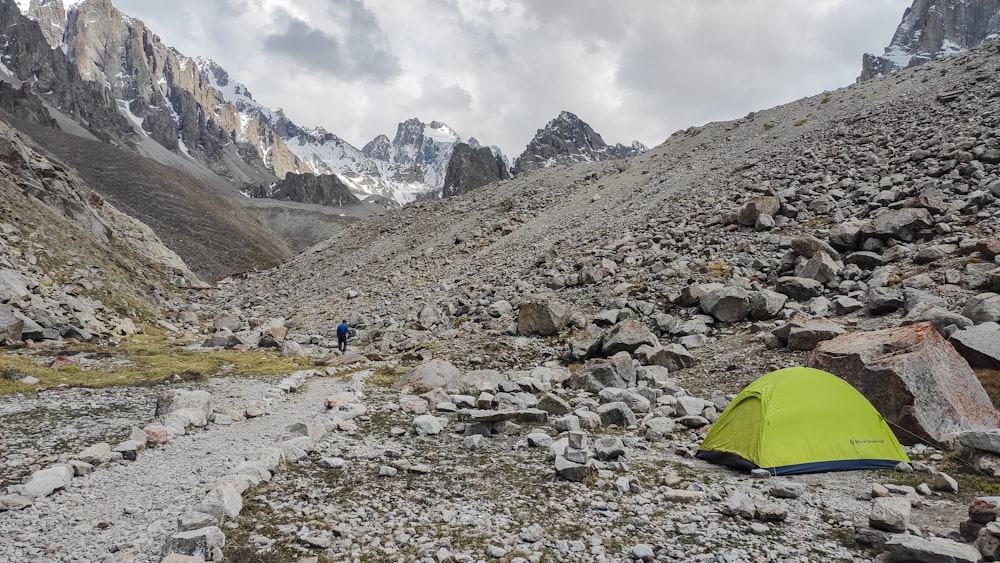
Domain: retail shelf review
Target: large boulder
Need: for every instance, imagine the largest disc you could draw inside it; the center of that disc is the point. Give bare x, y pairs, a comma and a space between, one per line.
627, 336
727, 304
10, 325
598, 374
904, 224
803, 332
983, 308
543, 318
979, 345
914, 378
759, 206
432, 374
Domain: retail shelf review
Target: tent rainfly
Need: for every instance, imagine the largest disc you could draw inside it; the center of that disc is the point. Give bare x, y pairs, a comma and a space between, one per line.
801, 420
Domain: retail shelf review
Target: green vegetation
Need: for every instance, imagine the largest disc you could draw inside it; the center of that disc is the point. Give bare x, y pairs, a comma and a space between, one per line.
719, 270
826, 97
143, 359
769, 125
800, 122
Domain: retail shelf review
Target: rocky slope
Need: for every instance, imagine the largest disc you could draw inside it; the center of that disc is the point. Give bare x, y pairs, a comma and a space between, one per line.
931, 29
568, 139
728, 251
71, 264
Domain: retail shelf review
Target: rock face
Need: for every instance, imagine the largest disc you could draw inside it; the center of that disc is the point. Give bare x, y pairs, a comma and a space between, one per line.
567, 139
470, 168
307, 188
914, 378
931, 29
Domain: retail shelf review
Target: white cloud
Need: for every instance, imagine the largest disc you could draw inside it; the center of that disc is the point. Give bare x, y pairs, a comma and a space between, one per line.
500, 69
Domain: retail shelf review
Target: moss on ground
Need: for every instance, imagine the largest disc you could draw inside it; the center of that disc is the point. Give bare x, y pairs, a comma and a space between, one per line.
144, 359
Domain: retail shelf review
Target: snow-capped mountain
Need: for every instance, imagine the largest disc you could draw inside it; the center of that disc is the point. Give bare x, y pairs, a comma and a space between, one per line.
191, 106
567, 139
931, 29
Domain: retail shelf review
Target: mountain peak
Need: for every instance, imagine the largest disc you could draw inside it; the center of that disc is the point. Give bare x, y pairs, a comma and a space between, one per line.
931, 29
568, 139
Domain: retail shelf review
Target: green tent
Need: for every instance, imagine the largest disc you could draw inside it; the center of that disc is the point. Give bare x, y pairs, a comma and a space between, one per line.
801, 420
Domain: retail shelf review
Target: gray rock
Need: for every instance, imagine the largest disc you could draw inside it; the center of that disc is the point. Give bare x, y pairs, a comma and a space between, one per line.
202, 543
915, 549
571, 471
44, 482
97, 454
432, 374
979, 345
609, 448
616, 413
674, 357
983, 308
554, 405
428, 425
766, 304
890, 514
787, 489
195, 521
727, 305
542, 318
14, 502
799, 288
627, 336
635, 401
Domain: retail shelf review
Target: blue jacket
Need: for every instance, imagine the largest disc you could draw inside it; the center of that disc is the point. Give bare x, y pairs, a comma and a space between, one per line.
342, 329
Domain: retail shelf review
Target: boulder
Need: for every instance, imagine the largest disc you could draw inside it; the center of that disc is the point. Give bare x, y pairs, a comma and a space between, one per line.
584, 344
766, 304
890, 514
810, 246
799, 288
983, 308
803, 332
821, 267
196, 404
903, 224
432, 374
915, 549
10, 325
759, 206
914, 378
727, 304
206, 543
627, 336
542, 318
597, 374
673, 357
936, 315
979, 345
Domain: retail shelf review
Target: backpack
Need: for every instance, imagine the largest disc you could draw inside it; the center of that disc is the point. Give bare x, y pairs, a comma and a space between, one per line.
342, 330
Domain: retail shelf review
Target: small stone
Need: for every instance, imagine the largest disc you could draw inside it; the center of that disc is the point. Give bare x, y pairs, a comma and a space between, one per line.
533, 533
387, 471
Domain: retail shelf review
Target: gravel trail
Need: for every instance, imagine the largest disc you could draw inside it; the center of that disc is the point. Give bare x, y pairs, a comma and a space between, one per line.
124, 511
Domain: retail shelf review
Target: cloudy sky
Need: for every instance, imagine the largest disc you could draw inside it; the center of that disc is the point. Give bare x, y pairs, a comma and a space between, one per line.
500, 69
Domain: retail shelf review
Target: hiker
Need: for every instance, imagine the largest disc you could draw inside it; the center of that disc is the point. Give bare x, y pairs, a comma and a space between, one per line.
342, 336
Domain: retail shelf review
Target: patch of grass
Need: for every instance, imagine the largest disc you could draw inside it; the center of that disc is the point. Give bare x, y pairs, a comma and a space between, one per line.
143, 359
385, 376
719, 270
769, 125
800, 122
826, 97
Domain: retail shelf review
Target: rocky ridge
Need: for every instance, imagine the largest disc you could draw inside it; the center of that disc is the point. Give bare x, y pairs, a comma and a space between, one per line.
568, 139
931, 29
470, 168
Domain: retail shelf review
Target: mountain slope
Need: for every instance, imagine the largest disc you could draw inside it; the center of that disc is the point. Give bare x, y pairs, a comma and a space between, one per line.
931, 29
215, 236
